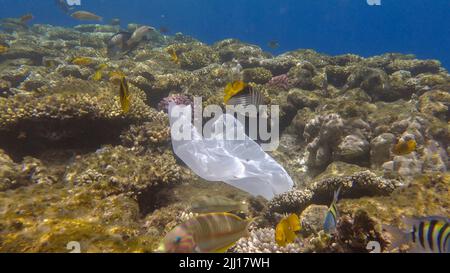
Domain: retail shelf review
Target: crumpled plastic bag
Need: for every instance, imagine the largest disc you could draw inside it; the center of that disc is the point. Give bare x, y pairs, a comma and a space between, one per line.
240, 163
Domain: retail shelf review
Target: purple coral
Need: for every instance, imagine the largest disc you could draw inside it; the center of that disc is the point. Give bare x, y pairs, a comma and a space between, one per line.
178, 99
281, 81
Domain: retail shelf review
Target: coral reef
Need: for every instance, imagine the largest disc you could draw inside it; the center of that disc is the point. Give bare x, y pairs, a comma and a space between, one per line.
177, 99
75, 167
263, 241
150, 136
320, 191
109, 169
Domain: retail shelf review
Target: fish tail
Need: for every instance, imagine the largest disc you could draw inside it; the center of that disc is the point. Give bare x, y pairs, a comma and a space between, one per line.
336, 194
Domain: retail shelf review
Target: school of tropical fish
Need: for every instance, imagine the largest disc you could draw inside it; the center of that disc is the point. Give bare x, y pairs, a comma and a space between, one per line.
84, 130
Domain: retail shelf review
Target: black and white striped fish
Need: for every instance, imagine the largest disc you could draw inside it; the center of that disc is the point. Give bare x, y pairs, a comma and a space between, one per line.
247, 97
426, 234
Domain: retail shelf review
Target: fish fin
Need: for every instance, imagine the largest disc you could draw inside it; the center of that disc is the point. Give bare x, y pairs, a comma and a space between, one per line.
399, 237
254, 219
336, 194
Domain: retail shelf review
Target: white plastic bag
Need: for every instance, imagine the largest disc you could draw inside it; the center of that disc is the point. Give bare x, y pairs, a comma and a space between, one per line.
240, 163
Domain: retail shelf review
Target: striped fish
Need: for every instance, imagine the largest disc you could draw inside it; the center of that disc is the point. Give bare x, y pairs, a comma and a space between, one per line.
207, 233
248, 96
329, 226
426, 235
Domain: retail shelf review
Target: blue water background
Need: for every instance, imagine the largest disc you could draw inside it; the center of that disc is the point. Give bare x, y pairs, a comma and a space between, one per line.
420, 27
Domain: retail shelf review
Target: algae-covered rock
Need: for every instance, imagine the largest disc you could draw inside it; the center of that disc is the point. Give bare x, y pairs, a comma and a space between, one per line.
436, 103
43, 218
9, 178
321, 191
411, 201
258, 75
312, 219
353, 149
149, 136
301, 76
108, 168
380, 148
195, 55
234, 49
415, 66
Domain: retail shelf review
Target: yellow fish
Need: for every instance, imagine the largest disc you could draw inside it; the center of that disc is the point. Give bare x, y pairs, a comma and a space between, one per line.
206, 233
124, 95
233, 89
99, 73
173, 55
285, 230
404, 146
3, 49
83, 61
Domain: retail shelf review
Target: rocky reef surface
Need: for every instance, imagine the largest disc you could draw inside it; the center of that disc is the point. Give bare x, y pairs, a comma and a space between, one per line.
74, 167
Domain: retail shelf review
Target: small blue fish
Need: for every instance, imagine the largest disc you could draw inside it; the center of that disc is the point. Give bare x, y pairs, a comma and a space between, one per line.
329, 226
425, 234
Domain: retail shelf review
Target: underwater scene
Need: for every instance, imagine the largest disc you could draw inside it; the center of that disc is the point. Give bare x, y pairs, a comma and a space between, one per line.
211, 126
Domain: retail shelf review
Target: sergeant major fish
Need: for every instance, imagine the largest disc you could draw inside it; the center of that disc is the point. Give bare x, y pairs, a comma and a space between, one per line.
425, 234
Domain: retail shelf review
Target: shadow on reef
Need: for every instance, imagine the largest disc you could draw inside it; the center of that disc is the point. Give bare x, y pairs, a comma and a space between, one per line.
28, 138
